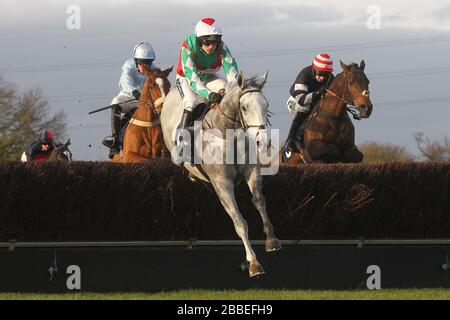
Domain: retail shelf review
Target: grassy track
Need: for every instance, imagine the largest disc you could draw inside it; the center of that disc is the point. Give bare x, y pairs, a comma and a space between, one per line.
410, 294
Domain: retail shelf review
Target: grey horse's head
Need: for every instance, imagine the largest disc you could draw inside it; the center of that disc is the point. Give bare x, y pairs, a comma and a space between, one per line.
245, 97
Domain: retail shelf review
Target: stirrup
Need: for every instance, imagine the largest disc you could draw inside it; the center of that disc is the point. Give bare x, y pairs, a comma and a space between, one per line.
109, 142
291, 146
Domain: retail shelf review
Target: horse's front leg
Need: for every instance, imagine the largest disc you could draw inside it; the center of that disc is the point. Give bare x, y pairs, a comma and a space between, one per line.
131, 156
225, 191
254, 181
352, 155
137, 151
158, 146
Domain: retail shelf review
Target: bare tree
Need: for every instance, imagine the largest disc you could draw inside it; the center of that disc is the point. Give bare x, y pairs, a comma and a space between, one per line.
23, 116
379, 152
433, 150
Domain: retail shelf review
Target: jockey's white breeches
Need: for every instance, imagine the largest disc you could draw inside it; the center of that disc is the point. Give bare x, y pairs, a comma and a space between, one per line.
190, 98
122, 97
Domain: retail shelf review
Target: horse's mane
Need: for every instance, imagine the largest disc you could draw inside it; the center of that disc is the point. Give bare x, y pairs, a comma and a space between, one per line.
232, 89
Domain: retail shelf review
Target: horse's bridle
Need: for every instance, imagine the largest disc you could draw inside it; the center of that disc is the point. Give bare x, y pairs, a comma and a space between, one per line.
244, 124
347, 94
151, 108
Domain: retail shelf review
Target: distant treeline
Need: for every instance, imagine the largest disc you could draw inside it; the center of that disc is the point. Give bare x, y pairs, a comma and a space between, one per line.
98, 201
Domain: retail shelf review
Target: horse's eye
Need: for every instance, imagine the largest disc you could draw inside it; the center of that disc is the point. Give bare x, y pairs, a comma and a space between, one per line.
244, 109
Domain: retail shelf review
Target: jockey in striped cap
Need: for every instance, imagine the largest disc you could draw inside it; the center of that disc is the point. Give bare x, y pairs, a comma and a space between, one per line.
323, 63
305, 92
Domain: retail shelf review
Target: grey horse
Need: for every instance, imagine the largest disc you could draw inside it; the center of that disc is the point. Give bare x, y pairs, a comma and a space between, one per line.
243, 106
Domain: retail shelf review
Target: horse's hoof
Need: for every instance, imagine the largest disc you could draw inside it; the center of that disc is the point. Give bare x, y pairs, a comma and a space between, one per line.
255, 269
273, 245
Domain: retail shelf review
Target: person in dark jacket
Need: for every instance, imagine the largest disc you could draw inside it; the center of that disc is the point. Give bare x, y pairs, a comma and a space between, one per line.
41, 149
305, 92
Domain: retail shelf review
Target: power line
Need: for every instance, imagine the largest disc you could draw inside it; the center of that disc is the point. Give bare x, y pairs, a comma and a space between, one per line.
412, 101
383, 75
251, 54
363, 45
378, 104
187, 29
272, 84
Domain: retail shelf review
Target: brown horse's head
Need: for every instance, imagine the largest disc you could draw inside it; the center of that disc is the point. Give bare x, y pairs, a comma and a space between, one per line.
158, 86
61, 152
357, 88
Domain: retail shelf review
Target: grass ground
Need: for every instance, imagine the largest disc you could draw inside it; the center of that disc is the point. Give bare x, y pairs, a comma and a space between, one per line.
388, 294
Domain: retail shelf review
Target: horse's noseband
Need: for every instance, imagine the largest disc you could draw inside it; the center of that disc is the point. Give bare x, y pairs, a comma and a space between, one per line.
244, 124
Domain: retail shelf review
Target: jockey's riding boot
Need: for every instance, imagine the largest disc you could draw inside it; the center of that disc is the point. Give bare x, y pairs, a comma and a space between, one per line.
182, 144
185, 121
296, 123
111, 141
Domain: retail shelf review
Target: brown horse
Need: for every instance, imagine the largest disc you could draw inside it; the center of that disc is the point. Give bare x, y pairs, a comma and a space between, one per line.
329, 135
61, 152
143, 138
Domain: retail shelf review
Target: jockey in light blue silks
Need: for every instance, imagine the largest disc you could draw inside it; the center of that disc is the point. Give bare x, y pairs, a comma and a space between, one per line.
202, 55
130, 85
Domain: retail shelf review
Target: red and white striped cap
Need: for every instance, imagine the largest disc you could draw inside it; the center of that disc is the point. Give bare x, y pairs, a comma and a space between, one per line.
323, 62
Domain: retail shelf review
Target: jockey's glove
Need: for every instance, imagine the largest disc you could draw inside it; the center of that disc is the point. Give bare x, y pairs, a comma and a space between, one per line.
316, 97
215, 97
322, 90
136, 94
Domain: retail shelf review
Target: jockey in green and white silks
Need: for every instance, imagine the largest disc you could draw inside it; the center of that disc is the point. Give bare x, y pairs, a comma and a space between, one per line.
202, 55
130, 86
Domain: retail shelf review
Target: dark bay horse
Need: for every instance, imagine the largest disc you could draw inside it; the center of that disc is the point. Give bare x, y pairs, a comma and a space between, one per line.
329, 134
61, 153
143, 138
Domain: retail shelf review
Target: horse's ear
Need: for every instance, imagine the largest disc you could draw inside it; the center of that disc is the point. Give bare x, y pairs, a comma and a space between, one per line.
240, 79
344, 67
362, 65
167, 71
262, 81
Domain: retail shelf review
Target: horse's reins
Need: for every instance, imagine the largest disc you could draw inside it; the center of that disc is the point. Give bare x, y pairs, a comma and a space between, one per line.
151, 108
244, 124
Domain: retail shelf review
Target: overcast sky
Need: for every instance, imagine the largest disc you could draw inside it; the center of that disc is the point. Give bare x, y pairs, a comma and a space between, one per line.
78, 69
